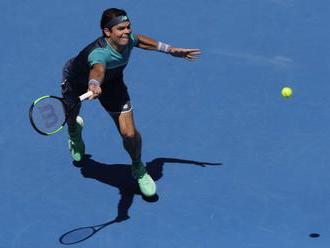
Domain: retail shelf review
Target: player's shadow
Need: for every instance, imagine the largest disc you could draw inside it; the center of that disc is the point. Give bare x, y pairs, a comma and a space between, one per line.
119, 176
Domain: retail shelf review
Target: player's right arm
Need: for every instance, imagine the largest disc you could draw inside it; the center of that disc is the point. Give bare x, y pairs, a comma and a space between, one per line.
97, 60
96, 76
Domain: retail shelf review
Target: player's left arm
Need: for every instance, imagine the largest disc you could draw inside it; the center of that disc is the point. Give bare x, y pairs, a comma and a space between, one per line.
148, 43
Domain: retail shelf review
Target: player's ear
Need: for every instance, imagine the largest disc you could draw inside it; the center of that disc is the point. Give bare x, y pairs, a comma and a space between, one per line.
106, 32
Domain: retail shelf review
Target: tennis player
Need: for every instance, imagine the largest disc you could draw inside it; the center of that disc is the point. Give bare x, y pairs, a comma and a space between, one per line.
99, 68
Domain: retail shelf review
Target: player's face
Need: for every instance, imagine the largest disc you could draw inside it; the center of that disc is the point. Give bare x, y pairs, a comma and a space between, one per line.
120, 33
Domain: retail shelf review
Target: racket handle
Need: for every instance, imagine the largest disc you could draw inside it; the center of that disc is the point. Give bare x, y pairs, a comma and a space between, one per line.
85, 96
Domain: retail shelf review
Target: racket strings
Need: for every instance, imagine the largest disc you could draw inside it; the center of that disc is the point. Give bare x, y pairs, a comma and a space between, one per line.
48, 114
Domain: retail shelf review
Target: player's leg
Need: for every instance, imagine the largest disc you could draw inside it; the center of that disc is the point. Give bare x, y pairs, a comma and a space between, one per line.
116, 101
132, 142
74, 122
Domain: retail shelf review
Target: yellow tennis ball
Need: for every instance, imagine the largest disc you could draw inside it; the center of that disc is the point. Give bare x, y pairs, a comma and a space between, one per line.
286, 92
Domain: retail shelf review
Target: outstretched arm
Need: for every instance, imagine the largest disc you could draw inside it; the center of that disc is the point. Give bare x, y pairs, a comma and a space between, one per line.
148, 43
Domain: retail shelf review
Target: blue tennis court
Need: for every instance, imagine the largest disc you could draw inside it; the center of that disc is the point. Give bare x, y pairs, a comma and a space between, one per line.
236, 164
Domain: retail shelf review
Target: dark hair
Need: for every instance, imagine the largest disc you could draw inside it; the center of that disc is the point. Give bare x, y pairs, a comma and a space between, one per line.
108, 14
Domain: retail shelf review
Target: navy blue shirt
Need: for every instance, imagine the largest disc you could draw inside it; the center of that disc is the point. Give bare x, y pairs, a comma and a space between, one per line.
99, 52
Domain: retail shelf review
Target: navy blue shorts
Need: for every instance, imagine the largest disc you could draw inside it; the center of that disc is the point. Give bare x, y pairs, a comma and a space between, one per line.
114, 97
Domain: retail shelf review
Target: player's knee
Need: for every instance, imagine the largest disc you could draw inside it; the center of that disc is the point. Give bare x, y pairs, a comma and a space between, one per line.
129, 134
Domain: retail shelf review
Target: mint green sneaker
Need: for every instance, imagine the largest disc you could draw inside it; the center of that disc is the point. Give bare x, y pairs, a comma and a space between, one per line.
146, 183
76, 143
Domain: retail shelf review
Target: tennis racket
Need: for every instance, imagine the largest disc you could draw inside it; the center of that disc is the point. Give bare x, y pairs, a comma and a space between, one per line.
48, 114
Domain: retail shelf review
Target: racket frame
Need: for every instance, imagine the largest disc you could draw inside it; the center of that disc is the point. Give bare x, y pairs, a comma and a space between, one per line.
31, 117
79, 100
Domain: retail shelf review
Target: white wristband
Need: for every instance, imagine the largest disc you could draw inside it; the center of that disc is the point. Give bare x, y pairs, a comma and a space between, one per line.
163, 47
94, 81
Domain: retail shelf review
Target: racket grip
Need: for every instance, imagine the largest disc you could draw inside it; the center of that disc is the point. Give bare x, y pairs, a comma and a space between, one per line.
85, 96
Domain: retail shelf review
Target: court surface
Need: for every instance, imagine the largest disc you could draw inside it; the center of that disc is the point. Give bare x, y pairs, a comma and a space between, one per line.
272, 187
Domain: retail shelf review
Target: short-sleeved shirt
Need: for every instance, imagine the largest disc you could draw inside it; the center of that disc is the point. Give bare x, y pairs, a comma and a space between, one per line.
99, 51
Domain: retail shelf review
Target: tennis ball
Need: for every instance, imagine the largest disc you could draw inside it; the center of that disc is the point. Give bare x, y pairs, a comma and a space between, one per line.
286, 92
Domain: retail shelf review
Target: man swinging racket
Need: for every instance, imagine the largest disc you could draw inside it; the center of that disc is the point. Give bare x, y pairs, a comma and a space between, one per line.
99, 68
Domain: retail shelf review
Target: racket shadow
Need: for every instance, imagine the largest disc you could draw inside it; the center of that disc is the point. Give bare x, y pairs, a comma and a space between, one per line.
119, 176
82, 233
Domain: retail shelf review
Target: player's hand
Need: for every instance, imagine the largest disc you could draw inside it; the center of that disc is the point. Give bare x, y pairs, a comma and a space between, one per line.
186, 53
96, 89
